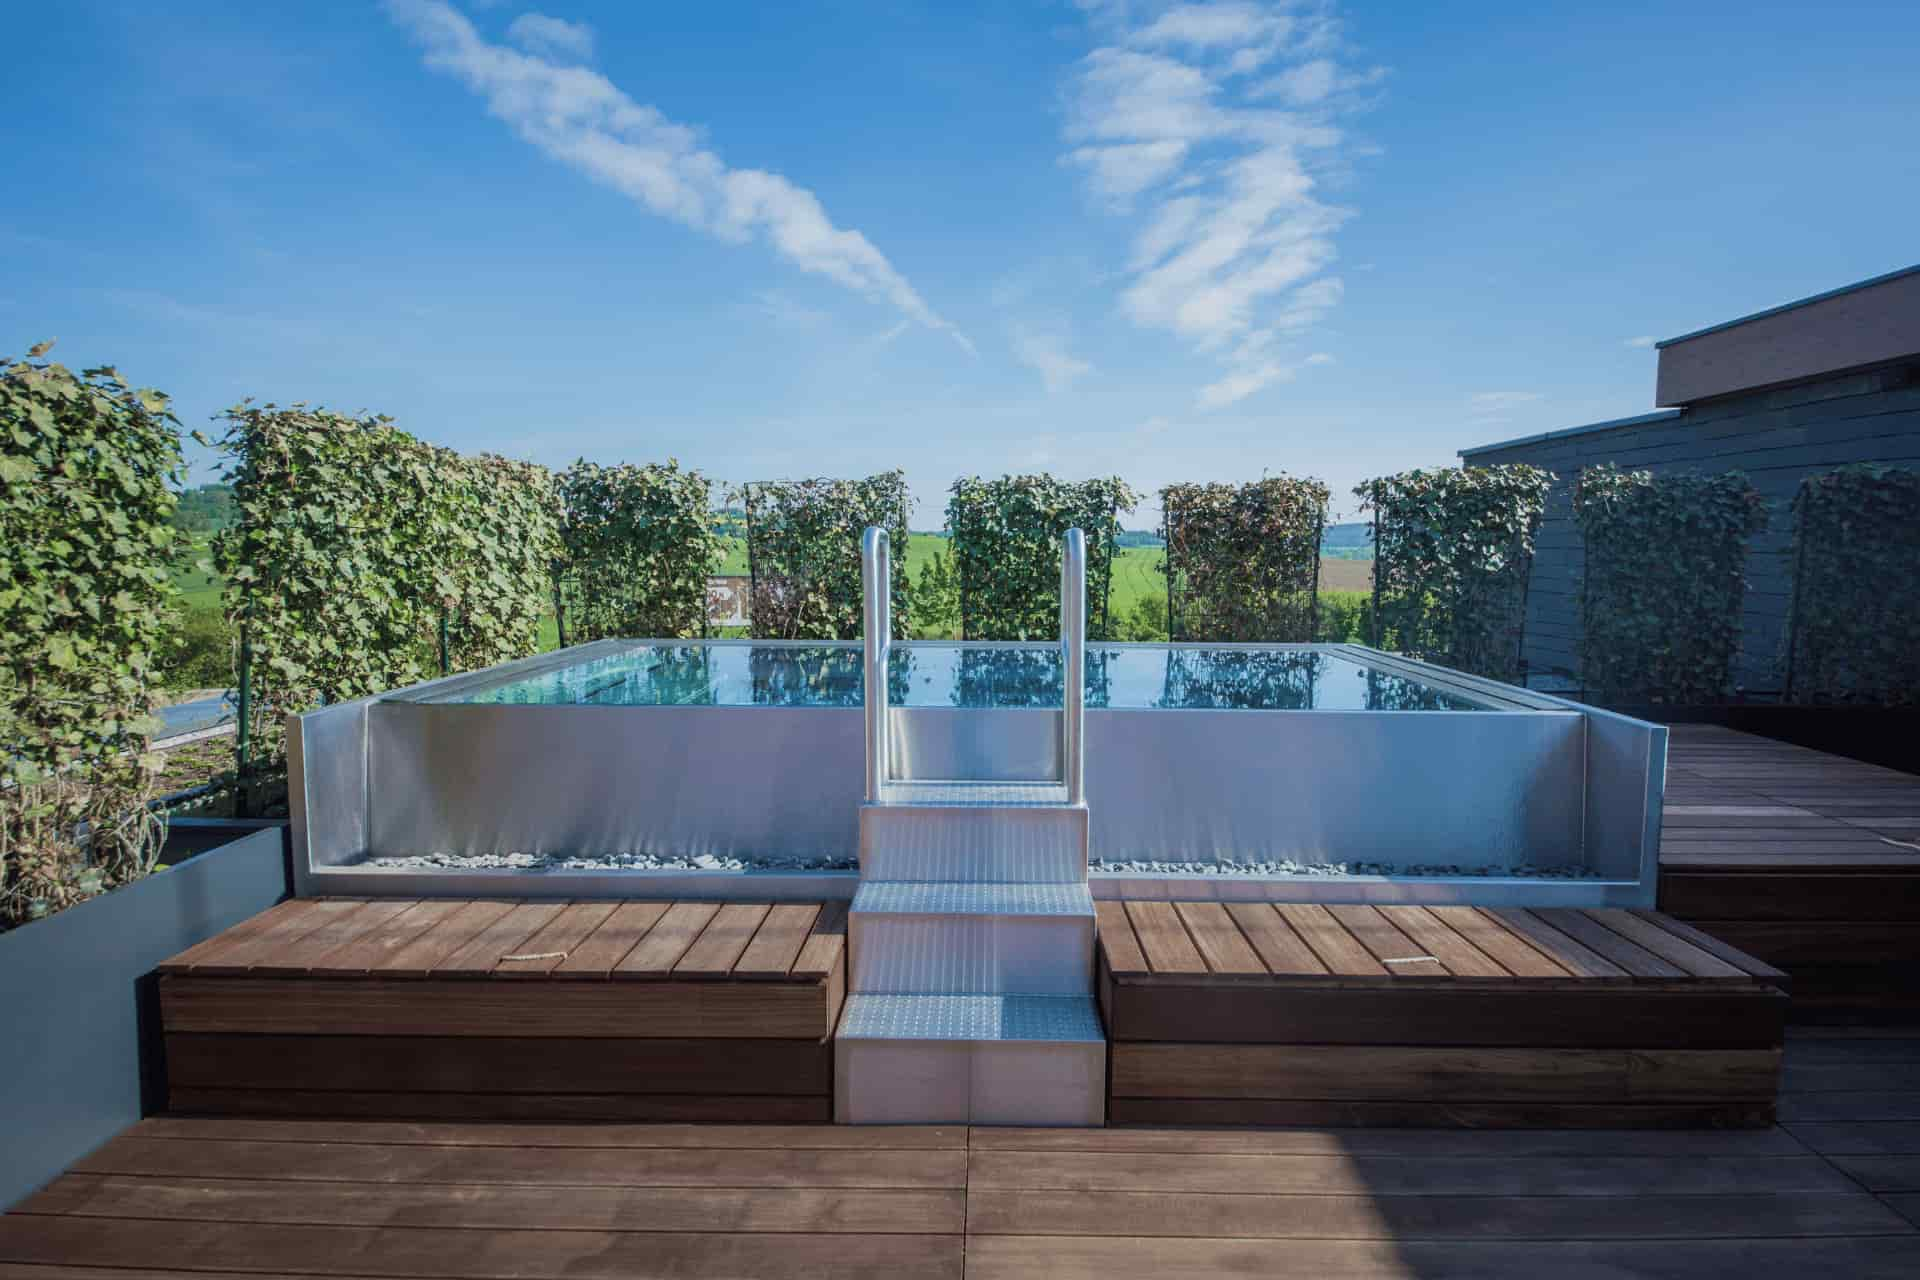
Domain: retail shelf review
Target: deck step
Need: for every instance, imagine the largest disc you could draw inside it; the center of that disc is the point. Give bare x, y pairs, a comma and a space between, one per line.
946, 831
970, 1059
911, 938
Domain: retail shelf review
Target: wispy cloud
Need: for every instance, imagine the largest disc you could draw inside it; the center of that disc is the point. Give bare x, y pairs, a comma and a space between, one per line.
1488, 407
787, 312
1170, 116
582, 119
555, 39
1047, 355
1644, 341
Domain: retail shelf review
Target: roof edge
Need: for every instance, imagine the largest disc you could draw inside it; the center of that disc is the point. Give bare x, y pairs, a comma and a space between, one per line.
1658, 415
1789, 306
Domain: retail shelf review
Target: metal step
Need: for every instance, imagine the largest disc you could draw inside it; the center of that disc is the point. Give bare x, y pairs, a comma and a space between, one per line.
970, 1059
947, 831
910, 938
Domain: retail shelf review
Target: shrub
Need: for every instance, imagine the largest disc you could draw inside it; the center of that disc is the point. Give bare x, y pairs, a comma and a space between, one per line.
1453, 551
353, 540
1243, 561
639, 543
1005, 535
1856, 607
87, 472
1346, 617
1145, 623
1665, 578
198, 652
936, 599
803, 551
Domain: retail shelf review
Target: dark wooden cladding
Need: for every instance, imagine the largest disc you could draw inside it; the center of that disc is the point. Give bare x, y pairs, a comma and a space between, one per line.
1353, 1014
498, 1010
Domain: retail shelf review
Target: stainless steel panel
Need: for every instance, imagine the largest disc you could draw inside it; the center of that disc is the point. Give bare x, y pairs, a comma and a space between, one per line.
327, 788
1436, 891
967, 843
712, 886
740, 781
1007, 744
970, 954
1450, 787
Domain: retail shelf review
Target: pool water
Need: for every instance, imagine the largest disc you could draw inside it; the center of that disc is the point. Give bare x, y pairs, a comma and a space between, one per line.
934, 674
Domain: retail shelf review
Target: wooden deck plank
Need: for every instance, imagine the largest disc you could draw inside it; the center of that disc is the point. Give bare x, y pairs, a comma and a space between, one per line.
443, 1105
280, 916
438, 1252
702, 1136
1124, 1257
1163, 938
1117, 940
372, 949
544, 1166
504, 936
1218, 938
1339, 950
1713, 946
1423, 1217
419, 958
608, 945
1426, 1143
777, 945
720, 944
1397, 953
1491, 938
714, 1210
1459, 956
237, 955
1078, 1171
1281, 949
826, 945
546, 950
667, 941
1576, 959
295, 956
1636, 960
1675, 950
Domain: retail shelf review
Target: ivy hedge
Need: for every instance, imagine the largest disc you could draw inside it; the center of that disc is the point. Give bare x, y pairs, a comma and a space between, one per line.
638, 543
1453, 551
1004, 537
803, 554
1664, 582
1243, 561
87, 470
356, 548
1856, 611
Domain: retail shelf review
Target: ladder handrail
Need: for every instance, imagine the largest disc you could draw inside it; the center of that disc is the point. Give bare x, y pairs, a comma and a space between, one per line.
876, 590
1073, 642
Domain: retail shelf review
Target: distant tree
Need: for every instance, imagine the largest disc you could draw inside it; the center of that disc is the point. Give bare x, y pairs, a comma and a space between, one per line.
207, 508
936, 599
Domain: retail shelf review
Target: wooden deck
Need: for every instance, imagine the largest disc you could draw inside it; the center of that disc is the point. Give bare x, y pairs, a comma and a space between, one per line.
1834, 1191
1807, 860
511, 1011
1253, 1013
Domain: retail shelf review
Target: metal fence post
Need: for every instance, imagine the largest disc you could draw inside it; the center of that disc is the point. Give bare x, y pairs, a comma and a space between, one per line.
243, 732
446, 667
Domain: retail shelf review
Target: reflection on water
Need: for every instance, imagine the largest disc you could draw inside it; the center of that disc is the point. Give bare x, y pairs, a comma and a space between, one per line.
947, 675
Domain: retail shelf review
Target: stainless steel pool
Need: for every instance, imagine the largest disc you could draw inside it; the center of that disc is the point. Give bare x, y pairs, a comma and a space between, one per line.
1214, 763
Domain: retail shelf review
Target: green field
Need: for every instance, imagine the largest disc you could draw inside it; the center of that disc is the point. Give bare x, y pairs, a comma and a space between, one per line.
197, 587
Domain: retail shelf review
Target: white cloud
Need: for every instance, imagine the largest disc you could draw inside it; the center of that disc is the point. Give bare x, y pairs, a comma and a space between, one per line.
555, 39
1642, 342
1497, 406
1047, 355
1234, 245
581, 118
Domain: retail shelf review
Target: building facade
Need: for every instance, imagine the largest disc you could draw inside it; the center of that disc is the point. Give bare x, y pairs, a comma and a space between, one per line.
1790, 392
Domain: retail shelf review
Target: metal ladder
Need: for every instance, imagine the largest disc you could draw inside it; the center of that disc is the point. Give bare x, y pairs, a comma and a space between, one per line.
971, 989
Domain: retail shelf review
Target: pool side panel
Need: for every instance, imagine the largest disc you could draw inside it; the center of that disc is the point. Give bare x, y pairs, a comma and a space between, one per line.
470, 778
1468, 788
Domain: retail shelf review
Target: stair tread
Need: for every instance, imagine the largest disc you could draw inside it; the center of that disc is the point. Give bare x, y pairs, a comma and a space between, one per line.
969, 795
954, 897
1051, 1019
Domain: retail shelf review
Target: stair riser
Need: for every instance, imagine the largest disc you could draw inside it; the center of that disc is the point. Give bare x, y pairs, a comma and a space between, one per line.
969, 1082
975, 845
910, 954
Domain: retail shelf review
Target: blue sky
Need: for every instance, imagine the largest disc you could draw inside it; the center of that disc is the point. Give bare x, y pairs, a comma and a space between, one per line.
1173, 242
